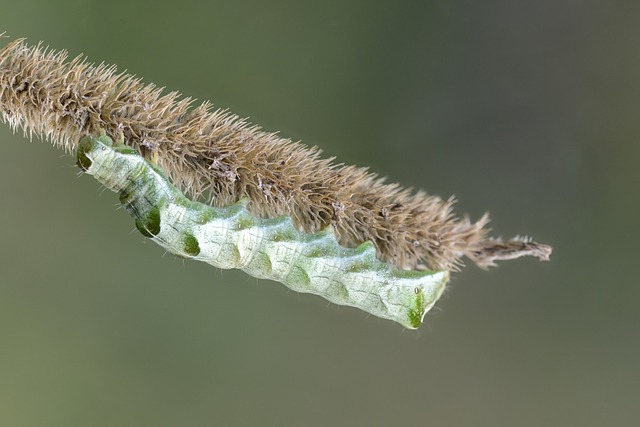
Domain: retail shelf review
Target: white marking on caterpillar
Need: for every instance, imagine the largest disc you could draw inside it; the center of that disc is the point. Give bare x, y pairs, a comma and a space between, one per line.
231, 237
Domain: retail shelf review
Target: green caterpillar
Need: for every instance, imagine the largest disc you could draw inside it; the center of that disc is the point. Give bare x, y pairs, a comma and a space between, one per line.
231, 237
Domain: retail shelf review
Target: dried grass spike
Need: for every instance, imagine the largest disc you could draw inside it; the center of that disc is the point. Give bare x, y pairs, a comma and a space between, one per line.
217, 153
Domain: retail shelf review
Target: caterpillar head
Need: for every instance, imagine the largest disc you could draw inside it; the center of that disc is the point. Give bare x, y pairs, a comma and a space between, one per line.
88, 147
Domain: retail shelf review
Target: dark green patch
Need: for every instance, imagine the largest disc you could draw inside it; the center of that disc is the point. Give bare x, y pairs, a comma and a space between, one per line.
190, 245
149, 226
416, 314
141, 228
125, 195
85, 145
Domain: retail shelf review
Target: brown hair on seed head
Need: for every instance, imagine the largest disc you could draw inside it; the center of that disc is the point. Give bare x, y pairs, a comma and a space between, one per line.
217, 153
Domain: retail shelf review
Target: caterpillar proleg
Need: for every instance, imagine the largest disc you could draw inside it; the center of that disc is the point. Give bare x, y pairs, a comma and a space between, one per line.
231, 237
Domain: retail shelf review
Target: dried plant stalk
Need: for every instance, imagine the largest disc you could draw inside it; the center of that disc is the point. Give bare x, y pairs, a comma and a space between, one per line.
213, 152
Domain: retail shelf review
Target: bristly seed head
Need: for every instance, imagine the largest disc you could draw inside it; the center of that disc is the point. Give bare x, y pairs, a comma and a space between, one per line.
206, 151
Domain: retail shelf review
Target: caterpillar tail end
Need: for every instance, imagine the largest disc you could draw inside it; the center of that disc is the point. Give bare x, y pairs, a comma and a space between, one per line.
424, 298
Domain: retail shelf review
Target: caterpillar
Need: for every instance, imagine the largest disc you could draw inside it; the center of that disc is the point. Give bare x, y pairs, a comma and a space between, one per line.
273, 248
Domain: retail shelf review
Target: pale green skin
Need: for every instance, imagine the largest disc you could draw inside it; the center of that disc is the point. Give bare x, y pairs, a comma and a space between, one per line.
231, 237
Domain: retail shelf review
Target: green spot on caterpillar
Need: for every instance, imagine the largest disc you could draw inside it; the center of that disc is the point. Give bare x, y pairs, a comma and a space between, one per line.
231, 237
415, 315
191, 246
82, 160
149, 225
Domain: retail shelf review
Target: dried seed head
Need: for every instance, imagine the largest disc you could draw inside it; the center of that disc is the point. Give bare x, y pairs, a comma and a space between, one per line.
214, 152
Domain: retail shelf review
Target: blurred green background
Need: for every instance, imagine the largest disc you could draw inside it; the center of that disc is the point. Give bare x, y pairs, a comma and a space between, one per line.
526, 109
